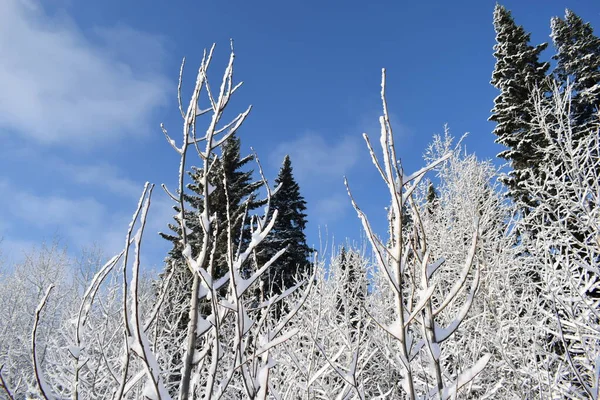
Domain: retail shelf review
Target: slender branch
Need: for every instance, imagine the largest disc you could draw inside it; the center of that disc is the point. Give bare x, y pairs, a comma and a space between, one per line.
4, 385
45, 391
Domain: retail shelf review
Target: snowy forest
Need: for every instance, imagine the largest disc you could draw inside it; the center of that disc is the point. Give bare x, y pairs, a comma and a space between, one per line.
485, 285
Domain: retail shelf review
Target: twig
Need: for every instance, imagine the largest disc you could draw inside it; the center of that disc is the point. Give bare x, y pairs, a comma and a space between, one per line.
39, 378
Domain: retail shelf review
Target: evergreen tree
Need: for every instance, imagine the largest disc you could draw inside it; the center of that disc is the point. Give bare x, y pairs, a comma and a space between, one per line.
578, 61
239, 194
287, 232
431, 198
241, 197
517, 74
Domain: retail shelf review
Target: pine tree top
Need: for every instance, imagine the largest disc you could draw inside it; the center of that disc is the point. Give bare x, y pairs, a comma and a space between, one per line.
518, 74
287, 232
288, 200
578, 63
516, 59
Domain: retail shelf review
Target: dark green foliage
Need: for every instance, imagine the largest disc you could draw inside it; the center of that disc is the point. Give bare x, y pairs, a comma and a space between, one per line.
518, 73
578, 61
241, 198
239, 193
351, 269
287, 232
432, 198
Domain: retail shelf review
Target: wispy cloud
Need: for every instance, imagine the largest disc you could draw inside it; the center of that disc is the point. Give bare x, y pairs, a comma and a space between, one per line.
369, 124
315, 158
319, 166
61, 87
81, 220
332, 207
101, 176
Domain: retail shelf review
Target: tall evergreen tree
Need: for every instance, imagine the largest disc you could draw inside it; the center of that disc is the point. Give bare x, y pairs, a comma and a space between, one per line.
239, 194
578, 61
517, 74
287, 232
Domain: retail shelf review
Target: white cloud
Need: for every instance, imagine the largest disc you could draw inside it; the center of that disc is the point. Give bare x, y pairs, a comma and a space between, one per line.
81, 221
313, 158
40, 212
331, 208
100, 176
60, 87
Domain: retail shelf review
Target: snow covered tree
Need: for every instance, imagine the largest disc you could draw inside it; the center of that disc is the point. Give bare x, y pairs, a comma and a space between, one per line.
20, 291
567, 259
354, 290
502, 324
578, 63
288, 233
217, 350
423, 311
233, 191
517, 74
333, 355
232, 188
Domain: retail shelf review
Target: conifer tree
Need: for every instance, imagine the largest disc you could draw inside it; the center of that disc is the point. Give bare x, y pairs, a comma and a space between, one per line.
431, 198
288, 232
578, 65
578, 62
240, 195
517, 74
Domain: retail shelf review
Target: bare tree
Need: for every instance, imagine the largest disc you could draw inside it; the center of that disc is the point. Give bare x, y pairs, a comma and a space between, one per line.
227, 350
565, 249
415, 322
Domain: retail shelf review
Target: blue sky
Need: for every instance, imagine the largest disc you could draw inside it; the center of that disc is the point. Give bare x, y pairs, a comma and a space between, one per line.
85, 86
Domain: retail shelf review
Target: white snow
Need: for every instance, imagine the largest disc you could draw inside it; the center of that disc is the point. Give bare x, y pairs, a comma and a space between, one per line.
74, 350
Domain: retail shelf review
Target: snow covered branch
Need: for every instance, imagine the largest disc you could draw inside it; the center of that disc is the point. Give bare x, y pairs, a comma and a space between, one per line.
405, 261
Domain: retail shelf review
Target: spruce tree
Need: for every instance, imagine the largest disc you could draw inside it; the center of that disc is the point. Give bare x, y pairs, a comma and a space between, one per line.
287, 232
517, 74
240, 195
431, 198
578, 62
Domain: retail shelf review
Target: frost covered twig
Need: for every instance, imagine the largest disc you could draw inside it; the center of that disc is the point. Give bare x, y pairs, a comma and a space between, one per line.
405, 262
564, 247
45, 390
4, 385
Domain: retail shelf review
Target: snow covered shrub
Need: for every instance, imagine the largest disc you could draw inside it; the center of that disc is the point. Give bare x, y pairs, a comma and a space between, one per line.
500, 322
227, 348
119, 342
422, 310
21, 289
563, 245
332, 353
